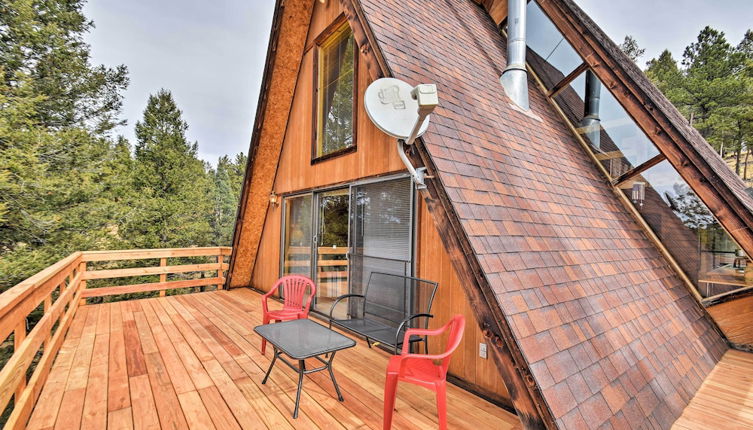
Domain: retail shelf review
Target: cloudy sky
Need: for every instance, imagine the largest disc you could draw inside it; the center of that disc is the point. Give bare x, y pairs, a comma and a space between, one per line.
211, 54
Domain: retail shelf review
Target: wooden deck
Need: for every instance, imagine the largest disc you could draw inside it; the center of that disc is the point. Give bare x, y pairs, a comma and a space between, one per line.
192, 361
725, 400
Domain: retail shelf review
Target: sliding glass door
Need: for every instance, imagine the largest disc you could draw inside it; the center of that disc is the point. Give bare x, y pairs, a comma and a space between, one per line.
338, 237
382, 231
297, 237
331, 270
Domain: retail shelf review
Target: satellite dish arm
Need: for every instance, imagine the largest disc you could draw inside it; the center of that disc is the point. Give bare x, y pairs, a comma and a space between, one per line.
419, 174
426, 94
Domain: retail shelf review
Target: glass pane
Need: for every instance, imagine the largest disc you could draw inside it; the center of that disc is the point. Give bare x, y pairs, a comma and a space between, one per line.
335, 102
332, 248
382, 233
615, 138
297, 236
549, 53
699, 244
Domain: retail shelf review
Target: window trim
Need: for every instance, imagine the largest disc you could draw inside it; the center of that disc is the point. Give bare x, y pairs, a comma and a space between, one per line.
331, 29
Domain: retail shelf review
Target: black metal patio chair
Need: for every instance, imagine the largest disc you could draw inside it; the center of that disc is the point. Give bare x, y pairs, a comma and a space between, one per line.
389, 305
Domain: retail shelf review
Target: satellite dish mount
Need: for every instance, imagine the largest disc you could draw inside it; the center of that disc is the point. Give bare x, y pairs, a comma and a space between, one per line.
402, 111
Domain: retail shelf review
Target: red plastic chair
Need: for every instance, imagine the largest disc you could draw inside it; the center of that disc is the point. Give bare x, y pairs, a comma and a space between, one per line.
294, 289
420, 369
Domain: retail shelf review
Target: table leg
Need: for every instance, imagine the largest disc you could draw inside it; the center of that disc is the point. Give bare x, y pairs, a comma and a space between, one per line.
301, 372
271, 365
332, 375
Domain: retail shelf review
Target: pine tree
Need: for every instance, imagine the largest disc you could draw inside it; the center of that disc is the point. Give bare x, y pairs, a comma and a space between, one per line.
710, 67
631, 48
56, 113
228, 180
667, 76
174, 192
712, 89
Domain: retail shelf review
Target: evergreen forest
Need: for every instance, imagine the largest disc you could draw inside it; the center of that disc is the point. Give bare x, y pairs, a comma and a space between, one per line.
68, 181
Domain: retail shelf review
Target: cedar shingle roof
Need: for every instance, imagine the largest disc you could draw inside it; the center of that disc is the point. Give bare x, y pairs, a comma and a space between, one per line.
608, 330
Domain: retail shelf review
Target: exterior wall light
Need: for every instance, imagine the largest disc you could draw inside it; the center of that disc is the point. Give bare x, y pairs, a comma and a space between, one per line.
273, 199
639, 193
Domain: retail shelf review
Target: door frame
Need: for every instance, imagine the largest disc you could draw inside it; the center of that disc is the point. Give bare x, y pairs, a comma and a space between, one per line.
315, 192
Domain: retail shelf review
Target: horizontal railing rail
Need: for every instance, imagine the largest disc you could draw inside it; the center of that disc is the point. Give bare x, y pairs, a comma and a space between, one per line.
52, 296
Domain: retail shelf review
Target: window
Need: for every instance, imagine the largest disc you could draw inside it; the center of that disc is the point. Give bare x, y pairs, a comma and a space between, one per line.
331, 242
691, 233
548, 51
692, 236
335, 71
615, 138
382, 230
296, 256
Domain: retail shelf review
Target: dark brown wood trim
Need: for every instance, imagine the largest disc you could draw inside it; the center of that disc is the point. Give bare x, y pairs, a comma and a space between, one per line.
741, 347
330, 29
338, 153
315, 103
567, 79
727, 297
525, 395
365, 40
269, 65
653, 161
722, 191
321, 38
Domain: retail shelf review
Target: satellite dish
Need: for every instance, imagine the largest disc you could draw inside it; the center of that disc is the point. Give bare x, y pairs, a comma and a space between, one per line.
392, 108
402, 112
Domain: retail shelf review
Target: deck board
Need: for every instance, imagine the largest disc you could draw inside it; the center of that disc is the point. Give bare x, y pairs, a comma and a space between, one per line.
193, 361
725, 399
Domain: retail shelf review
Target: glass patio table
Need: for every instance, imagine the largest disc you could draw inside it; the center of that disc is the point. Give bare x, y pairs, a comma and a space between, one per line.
301, 339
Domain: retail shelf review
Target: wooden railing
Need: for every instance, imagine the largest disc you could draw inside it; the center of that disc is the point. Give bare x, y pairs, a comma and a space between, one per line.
59, 290
331, 267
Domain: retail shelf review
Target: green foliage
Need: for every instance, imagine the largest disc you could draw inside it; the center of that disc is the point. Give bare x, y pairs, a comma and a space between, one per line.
57, 111
173, 189
228, 179
713, 88
631, 48
66, 183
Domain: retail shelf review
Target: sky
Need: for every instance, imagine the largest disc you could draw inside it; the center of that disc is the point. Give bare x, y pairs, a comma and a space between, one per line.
211, 54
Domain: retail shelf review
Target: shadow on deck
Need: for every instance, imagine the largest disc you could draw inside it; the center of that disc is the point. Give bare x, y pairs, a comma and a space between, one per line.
193, 361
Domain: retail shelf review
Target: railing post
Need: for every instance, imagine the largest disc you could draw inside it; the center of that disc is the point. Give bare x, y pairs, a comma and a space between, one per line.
19, 334
82, 270
163, 276
220, 274
47, 306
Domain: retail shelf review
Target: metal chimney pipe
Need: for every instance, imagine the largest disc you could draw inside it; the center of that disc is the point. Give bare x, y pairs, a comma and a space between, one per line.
514, 79
591, 119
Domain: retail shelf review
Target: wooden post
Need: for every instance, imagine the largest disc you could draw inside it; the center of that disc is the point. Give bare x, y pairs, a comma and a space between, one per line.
47, 306
220, 274
162, 276
82, 285
19, 334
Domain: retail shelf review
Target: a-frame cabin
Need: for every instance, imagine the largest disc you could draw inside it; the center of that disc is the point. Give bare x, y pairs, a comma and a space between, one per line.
563, 231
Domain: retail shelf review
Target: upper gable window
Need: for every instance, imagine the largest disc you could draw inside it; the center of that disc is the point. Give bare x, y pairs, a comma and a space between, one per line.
335, 93
547, 47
